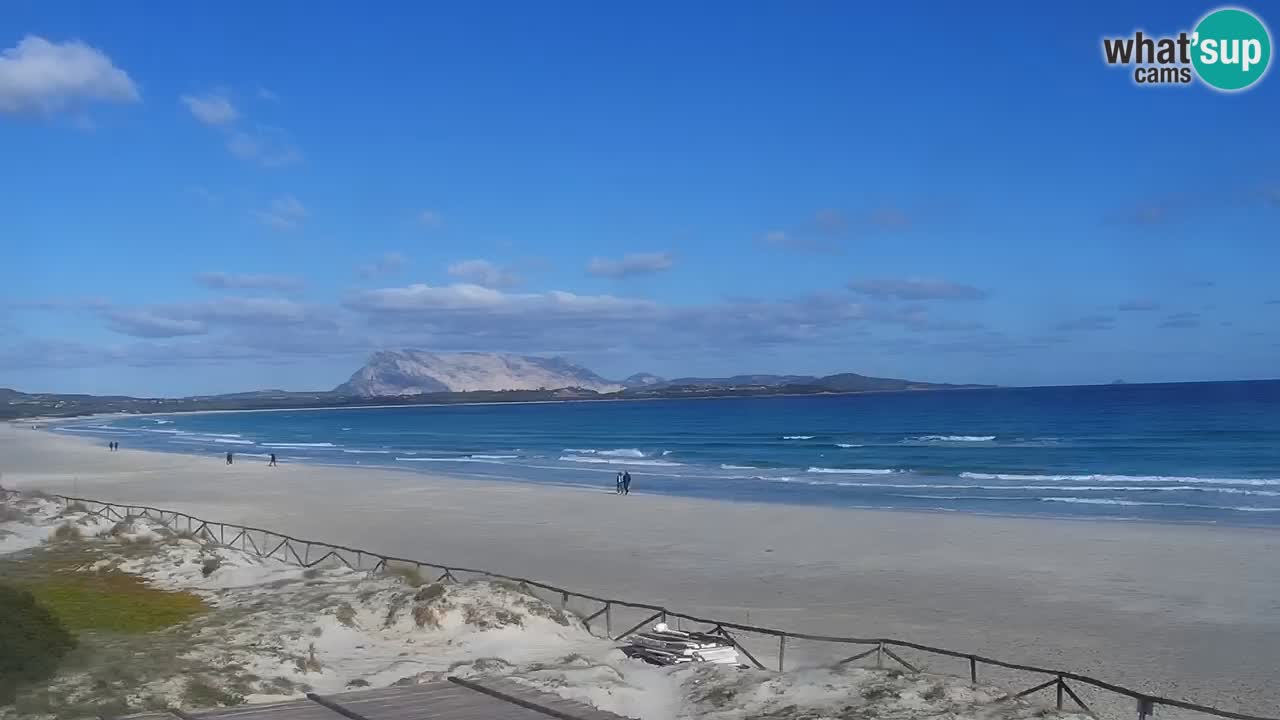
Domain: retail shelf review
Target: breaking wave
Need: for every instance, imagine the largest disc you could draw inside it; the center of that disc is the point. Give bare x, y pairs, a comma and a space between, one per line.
1129, 503
1121, 479
618, 461
852, 471
620, 452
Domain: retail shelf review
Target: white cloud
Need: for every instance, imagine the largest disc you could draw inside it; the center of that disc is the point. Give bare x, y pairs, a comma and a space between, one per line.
467, 296
630, 265
211, 109
430, 219
830, 221
41, 77
149, 324
791, 241
241, 310
270, 147
917, 289
483, 272
248, 281
286, 213
386, 263
237, 313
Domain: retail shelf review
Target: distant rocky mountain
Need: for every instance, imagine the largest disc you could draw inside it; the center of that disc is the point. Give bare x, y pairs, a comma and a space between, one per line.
642, 380
415, 372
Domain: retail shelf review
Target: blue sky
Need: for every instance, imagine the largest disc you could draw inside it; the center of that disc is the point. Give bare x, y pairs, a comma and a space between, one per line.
204, 198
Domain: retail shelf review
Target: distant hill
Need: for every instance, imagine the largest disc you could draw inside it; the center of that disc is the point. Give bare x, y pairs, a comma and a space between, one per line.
642, 380
739, 381
853, 382
393, 373
414, 377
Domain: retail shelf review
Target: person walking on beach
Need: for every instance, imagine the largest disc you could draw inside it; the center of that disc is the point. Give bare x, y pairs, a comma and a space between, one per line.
626, 483
618, 484
272, 462
228, 458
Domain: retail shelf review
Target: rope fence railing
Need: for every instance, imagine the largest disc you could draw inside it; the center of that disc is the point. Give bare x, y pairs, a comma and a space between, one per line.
604, 611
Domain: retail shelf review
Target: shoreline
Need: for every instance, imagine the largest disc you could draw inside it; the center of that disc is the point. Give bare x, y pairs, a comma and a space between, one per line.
1127, 601
62, 418
420, 469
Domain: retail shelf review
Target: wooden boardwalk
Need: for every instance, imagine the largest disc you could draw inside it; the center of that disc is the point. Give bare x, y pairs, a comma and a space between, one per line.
453, 699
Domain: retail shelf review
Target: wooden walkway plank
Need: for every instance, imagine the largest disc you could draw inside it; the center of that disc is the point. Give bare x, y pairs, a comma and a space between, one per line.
455, 699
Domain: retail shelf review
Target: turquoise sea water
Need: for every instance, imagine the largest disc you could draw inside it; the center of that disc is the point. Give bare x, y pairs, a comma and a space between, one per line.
1202, 452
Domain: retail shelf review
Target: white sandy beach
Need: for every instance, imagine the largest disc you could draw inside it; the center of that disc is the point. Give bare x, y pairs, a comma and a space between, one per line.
1188, 612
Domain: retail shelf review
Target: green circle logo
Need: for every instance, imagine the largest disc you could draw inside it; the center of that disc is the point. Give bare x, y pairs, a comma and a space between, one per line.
1231, 49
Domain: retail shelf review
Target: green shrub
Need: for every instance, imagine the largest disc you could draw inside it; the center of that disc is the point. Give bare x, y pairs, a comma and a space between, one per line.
67, 531
410, 574
33, 639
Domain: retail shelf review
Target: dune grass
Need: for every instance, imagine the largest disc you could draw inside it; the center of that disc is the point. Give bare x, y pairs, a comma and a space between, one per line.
113, 601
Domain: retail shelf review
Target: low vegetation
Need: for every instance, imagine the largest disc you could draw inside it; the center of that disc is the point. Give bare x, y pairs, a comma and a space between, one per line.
113, 601
32, 638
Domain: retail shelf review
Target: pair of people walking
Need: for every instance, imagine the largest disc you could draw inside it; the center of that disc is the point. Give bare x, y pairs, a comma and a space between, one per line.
623, 483
113, 446
271, 462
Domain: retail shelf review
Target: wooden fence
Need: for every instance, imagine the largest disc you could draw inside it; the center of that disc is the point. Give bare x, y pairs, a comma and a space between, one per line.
599, 614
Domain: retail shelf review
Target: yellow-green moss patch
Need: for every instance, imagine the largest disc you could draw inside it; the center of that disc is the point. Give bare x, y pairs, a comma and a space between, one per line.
113, 601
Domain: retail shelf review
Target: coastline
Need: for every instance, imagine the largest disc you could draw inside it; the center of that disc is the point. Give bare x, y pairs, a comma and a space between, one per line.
1184, 610
481, 403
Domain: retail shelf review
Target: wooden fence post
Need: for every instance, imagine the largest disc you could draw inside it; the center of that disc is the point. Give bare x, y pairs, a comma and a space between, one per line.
782, 651
880, 655
608, 620
1059, 687
973, 669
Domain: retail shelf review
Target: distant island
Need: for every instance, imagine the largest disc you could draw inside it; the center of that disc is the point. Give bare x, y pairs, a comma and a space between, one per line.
415, 377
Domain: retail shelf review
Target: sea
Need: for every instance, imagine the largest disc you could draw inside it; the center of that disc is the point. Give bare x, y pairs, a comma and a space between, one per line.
1186, 452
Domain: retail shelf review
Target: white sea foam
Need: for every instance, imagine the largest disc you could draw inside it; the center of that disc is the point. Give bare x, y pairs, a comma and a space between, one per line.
494, 457
1112, 501
797, 437
368, 452
299, 445
736, 467
1073, 488
620, 452
94, 431
954, 438
449, 459
847, 445
1121, 479
618, 461
851, 471
233, 441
